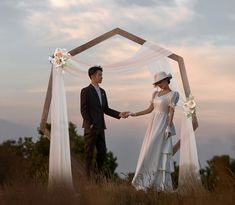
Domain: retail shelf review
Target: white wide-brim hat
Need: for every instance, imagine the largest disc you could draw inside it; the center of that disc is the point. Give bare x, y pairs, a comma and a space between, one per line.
160, 76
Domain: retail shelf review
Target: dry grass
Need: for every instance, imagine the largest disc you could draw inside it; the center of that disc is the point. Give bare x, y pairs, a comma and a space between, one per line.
115, 193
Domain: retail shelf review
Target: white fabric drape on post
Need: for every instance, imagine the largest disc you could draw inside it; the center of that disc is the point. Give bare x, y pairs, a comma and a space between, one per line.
189, 165
149, 55
59, 161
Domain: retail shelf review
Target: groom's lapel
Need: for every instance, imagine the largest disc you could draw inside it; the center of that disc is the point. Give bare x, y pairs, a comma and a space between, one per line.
95, 93
103, 97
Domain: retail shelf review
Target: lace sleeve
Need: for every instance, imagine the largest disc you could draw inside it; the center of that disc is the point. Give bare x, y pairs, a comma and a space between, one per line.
174, 98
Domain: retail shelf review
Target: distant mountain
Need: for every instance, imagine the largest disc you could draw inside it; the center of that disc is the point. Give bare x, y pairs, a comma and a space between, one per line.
11, 130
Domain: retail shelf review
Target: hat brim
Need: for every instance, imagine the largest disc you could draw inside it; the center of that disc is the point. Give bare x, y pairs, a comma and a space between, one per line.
170, 77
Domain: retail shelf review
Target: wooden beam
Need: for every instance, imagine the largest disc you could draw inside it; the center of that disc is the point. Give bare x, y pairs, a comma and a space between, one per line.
93, 42
104, 37
46, 108
184, 76
130, 36
183, 73
47, 133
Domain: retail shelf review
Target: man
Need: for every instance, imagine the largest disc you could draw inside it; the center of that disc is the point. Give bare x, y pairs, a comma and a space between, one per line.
94, 105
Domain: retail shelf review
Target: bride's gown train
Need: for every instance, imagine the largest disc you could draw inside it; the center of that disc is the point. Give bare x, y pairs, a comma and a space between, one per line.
155, 163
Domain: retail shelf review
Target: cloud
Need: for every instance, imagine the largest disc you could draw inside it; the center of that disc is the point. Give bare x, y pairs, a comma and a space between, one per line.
63, 4
162, 16
210, 70
54, 26
61, 22
69, 20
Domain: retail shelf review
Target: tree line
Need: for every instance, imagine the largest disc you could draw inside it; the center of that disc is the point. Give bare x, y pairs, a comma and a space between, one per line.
27, 159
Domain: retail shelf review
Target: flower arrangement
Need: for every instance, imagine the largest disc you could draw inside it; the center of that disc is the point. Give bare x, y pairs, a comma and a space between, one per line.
60, 58
190, 106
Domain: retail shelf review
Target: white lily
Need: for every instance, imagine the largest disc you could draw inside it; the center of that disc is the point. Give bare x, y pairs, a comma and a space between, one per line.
190, 106
60, 58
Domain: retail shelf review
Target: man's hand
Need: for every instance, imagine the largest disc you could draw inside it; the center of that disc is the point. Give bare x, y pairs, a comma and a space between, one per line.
124, 115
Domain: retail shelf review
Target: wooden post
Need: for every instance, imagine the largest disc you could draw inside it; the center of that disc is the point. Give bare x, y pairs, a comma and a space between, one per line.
46, 109
187, 91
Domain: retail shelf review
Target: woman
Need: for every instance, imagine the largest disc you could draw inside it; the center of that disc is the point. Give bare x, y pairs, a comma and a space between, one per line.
155, 163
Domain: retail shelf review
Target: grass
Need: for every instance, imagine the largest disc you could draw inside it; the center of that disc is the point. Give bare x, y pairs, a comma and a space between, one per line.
17, 189
114, 192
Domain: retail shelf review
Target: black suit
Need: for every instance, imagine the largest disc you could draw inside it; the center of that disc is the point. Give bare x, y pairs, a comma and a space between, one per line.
93, 115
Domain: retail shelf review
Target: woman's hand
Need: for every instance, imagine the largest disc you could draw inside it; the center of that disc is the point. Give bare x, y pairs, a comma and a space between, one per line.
132, 114
167, 132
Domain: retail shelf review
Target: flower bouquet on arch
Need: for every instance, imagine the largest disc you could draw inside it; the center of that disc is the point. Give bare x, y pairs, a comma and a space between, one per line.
189, 106
60, 58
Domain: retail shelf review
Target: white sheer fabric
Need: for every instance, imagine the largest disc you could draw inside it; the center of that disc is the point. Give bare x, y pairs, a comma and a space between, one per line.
149, 55
59, 161
189, 165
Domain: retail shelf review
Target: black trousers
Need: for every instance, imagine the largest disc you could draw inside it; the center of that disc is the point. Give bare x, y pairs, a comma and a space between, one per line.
94, 139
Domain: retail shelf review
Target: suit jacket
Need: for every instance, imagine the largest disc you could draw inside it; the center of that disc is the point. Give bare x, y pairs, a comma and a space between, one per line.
91, 109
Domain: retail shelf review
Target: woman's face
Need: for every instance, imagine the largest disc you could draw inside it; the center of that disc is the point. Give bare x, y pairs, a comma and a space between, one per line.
162, 84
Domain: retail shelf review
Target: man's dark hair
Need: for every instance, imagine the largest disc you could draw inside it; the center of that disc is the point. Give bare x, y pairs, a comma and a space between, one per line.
93, 70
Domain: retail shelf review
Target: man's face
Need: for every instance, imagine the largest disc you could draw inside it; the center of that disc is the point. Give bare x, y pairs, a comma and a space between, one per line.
97, 77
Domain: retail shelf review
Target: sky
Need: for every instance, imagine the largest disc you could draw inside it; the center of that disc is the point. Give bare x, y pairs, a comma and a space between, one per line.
200, 31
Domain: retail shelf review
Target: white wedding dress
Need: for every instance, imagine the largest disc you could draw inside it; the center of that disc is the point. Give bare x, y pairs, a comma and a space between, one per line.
155, 163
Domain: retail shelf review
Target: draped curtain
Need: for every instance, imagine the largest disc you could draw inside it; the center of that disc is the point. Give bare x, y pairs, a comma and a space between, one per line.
149, 55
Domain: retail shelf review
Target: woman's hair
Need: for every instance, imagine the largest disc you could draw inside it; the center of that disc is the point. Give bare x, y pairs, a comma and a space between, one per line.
169, 80
93, 70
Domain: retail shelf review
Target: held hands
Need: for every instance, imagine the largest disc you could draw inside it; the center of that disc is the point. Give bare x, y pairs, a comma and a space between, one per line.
167, 132
124, 115
132, 114
127, 114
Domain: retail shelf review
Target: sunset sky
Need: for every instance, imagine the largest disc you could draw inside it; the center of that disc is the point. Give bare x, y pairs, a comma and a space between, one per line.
200, 31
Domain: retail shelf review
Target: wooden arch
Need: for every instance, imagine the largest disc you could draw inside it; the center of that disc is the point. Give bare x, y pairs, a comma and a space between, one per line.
105, 36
